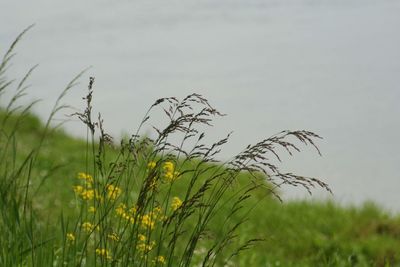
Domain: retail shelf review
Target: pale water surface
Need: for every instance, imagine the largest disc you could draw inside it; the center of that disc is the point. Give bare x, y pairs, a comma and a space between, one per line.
328, 66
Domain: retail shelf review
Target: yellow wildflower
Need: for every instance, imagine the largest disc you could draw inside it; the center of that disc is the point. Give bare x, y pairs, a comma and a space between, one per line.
128, 218
78, 189
141, 246
92, 209
157, 214
159, 259
70, 237
169, 171
145, 248
120, 210
103, 253
113, 191
142, 237
113, 236
176, 203
87, 194
147, 221
87, 226
169, 176
151, 165
86, 177
169, 166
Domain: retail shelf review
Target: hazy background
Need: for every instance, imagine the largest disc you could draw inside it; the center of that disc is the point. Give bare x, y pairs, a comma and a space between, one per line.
329, 66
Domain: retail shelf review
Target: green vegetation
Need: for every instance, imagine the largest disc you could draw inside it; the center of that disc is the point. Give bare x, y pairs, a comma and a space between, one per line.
296, 233
150, 202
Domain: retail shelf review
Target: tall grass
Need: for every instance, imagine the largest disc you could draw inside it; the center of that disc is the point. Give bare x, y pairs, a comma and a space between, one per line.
26, 240
146, 201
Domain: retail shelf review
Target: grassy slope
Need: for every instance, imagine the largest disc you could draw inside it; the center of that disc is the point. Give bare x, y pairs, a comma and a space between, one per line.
296, 233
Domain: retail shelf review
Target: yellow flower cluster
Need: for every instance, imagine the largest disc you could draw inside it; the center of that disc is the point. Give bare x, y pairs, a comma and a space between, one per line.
113, 192
89, 227
85, 177
142, 237
113, 237
147, 221
176, 203
159, 259
70, 237
151, 165
120, 210
103, 253
126, 214
86, 192
78, 189
144, 247
170, 174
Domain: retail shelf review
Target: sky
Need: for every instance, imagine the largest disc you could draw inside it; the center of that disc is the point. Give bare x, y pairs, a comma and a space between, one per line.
332, 67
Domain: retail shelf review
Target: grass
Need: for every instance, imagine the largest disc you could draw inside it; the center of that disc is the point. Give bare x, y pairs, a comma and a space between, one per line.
150, 202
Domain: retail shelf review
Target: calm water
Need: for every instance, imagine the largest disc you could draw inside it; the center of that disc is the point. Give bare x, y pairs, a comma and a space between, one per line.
328, 66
